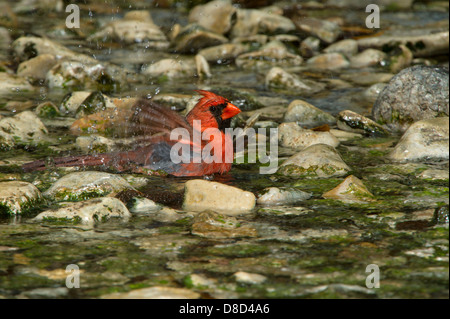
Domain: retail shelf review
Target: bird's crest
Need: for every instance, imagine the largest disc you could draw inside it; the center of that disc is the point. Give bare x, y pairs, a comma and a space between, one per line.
210, 98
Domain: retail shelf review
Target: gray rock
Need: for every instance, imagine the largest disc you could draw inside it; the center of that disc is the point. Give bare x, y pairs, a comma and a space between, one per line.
251, 22
282, 196
87, 212
416, 93
328, 61
367, 78
193, 38
271, 54
203, 195
325, 30
280, 80
132, 31
372, 92
318, 160
82, 185
307, 114
223, 53
18, 197
353, 122
24, 128
216, 16
434, 174
424, 140
309, 47
144, 206
13, 84
293, 136
348, 47
369, 57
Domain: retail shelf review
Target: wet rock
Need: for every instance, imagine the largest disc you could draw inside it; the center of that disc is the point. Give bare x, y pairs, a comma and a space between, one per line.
325, 30
24, 128
5, 38
47, 110
348, 47
434, 174
294, 136
351, 190
69, 73
440, 216
281, 80
318, 160
281, 196
251, 22
140, 205
217, 16
175, 68
372, 92
309, 47
81, 103
12, 84
423, 42
132, 31
106, 74
203, 195
353, 122
369, 57
249, 278
202, 66
83, 185
271, 54
223, 53
416, 93
213, 225
45, 293
287, 210
328, 61
94, 143
18, 197
307, 114
193, 38
155, 292
87, 212
424, 140
37, 68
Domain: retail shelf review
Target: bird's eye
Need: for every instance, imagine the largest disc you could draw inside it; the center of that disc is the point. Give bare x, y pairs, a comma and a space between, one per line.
213, 109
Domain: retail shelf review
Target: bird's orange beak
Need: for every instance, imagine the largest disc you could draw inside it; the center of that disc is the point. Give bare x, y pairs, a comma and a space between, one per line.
230, 111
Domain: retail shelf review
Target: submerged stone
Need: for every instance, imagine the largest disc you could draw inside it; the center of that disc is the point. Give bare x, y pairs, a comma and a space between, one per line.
22, 129
278, 79
318, 160
351, 190
328, 61
213, 225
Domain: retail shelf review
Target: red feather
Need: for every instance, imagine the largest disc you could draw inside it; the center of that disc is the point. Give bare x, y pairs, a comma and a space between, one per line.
154, 157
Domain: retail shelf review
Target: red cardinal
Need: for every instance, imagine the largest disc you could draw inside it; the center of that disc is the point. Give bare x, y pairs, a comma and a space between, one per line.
214, 113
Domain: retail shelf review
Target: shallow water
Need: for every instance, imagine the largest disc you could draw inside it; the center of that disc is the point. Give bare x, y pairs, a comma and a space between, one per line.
317, 248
